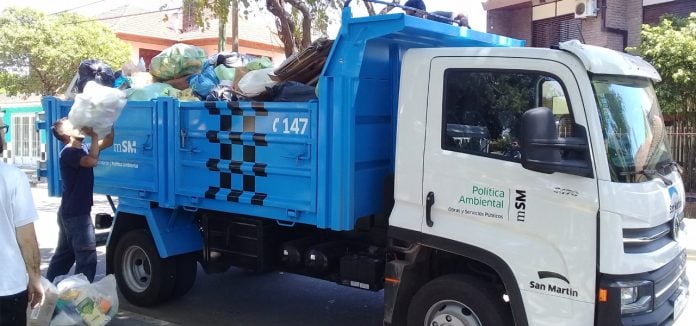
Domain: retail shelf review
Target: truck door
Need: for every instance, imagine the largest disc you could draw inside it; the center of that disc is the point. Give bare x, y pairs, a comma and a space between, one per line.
543, 226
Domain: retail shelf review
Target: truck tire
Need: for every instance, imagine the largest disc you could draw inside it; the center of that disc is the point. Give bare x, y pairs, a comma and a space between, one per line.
143, 277
457, 300
186, 268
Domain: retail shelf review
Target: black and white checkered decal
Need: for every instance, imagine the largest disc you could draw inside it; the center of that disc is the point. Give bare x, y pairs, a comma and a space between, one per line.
226, 164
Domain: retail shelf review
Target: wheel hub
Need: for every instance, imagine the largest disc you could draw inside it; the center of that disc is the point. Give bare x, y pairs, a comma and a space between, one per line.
451, 313
137, 269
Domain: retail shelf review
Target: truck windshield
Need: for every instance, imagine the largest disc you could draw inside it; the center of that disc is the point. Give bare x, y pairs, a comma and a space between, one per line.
633, 128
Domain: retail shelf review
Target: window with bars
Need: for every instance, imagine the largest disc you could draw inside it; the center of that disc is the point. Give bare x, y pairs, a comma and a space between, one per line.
551, 31
26, 144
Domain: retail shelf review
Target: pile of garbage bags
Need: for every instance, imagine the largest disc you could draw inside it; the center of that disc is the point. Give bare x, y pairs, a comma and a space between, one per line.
183, 71
75, 301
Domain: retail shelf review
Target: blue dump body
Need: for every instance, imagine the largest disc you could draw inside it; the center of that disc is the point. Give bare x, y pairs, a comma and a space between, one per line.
321, 163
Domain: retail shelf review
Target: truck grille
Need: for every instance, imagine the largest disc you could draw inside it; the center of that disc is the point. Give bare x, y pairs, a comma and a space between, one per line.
671, 278
647, 239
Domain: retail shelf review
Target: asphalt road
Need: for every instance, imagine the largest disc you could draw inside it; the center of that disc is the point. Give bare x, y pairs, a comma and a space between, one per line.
236, 297
241, 298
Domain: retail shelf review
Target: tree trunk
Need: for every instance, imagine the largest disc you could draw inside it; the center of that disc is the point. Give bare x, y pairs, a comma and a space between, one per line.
284, 25
234, 23
221, 36
387, 9
306, 22
370, 8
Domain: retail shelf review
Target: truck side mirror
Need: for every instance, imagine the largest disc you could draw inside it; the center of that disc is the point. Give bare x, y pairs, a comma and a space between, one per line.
542, 149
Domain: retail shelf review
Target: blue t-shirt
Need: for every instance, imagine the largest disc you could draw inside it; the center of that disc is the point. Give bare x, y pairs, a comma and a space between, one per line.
78, 182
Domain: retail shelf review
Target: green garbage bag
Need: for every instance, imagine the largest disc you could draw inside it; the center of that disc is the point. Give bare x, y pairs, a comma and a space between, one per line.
225, 73
259, 63
151, 91
176, 61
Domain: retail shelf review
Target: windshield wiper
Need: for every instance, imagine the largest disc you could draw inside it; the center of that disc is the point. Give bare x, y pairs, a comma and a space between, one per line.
650, 174
671, 164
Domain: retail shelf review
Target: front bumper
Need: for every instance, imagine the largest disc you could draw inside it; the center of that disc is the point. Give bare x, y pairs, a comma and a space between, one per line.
671, 289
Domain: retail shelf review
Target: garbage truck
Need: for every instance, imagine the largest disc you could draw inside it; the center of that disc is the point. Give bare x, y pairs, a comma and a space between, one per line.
473, 180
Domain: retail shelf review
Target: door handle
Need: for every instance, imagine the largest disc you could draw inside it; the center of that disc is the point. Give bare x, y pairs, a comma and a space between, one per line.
429, 202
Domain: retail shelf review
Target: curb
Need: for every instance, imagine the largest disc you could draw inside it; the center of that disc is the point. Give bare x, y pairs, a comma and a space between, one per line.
125, 317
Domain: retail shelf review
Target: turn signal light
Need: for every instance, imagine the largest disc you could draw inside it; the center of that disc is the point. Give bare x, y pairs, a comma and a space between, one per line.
603, 295
391, 280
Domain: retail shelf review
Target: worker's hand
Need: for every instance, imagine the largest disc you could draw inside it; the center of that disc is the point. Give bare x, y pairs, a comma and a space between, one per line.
35, 292
89, 132
462, 20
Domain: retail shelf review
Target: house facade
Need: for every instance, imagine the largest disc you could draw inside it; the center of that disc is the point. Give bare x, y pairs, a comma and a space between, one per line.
25, 143
614, 24
148, 33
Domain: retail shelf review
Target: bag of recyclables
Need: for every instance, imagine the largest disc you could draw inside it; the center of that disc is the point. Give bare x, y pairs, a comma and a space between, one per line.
97, 107
82, 303
176, 61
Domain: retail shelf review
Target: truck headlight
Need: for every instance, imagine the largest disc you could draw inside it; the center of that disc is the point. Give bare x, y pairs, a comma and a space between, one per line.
636, 296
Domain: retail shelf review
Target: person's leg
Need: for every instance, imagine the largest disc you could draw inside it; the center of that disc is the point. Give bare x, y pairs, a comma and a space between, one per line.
64, 256
84, 244
13, 309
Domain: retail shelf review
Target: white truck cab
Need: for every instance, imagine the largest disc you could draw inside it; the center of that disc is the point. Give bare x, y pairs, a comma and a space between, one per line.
550, 166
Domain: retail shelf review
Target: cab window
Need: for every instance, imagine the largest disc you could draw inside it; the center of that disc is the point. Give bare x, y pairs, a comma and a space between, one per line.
482, 110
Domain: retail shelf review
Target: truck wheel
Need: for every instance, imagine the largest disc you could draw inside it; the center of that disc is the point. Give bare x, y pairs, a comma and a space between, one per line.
186, 268
143, 277
456, 300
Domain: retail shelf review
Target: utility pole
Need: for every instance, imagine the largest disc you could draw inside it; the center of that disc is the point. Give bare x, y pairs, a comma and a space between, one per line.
234, 22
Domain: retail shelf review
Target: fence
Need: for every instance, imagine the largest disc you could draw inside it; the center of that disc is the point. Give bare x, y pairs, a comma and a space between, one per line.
684, 151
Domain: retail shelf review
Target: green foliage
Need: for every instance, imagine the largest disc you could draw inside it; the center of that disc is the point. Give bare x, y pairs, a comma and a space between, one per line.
40, 53
320, 11
11, 84
670, 46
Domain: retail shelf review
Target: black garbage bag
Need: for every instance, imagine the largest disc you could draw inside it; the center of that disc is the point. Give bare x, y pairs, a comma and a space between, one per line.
221, 93
291, 91
94, 70
228, 59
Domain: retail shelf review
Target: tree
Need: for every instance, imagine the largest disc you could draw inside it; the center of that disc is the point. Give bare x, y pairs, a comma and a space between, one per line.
670, 46
296, 20
41, 53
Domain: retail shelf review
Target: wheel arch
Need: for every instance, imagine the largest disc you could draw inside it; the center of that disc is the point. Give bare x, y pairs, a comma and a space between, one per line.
174, 231
470, 253
123, 222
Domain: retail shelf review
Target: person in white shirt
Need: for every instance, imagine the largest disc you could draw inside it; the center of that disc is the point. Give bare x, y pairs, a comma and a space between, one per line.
20, 276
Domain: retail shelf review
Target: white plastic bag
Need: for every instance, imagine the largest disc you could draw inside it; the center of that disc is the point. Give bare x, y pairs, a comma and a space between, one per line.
97, 107
42, 314
86, 304
256, 81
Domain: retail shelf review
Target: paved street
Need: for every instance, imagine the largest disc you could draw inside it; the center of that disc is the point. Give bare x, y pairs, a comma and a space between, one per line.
241, 298
232, 298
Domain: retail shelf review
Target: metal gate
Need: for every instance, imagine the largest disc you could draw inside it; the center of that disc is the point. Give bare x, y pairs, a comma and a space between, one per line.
26, 143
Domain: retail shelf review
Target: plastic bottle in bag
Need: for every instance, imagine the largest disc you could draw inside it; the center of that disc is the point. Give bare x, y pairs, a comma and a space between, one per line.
141, 65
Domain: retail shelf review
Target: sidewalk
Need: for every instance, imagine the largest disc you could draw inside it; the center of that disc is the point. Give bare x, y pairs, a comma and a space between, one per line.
127, 318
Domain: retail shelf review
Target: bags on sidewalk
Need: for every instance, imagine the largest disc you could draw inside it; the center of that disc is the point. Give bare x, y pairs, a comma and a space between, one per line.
76, 302
82, 303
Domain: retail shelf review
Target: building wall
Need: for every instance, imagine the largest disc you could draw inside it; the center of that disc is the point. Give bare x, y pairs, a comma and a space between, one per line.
276, 57
682, 8
634, 21
616, 26
136, 46
25, 157
209, 46
514, 22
